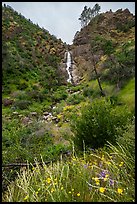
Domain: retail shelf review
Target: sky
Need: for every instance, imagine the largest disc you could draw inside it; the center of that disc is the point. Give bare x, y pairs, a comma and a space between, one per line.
61, 18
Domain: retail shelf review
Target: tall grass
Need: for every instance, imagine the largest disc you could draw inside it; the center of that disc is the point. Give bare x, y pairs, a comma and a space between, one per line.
105, 175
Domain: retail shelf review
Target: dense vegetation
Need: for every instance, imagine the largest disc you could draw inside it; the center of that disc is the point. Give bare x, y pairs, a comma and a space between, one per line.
29, 53
60, 132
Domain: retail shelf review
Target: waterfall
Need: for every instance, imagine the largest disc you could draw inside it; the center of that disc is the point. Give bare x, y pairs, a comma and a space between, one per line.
69, 65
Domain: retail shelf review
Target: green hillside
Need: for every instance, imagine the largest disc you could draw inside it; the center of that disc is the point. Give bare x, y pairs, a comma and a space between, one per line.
30, 54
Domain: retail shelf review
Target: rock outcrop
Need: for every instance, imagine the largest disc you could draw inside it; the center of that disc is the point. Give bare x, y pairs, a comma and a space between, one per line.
115, 26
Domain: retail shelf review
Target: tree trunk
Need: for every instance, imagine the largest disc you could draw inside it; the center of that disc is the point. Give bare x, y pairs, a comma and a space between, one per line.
98, 79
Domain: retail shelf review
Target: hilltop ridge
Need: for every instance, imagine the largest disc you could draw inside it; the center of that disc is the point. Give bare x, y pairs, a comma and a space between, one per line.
110, 30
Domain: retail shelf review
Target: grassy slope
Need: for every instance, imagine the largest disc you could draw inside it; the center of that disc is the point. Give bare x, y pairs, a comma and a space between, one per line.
127, 94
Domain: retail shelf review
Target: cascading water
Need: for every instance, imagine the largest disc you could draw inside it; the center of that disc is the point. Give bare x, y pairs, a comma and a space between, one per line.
69, 64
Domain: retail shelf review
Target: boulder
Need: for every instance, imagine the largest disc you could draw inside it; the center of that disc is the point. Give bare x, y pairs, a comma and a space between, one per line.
33, 113
25, 120
7, 102
15, 113
46, 113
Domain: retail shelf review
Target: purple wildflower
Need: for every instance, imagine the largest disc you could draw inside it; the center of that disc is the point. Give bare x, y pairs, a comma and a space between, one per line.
85, 166
102, 174
100, 164
111, 182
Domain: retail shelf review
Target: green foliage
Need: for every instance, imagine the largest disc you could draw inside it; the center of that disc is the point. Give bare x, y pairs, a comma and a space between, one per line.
88, 91
125, 27
59, 95
100, 42
108, 47
25, 53
122, 65
48, 77
100, 122
127, 94
36, 95
21, 104
22, 86
77, 88
74, 99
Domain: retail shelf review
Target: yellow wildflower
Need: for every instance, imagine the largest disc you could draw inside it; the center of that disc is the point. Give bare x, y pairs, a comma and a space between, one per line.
69, 192
97, 183
120, 191
121, 163
48, 180
102, 190
107, 175
59, 116
72, 189
96, 179
108, 162
78, 194
52, 190
105, 179
103, 158
62, 188
74, 159
27, 196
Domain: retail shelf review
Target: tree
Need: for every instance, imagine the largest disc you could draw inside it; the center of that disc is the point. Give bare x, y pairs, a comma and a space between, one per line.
87, 14
94, 47
84, 17
97, 76
96, 9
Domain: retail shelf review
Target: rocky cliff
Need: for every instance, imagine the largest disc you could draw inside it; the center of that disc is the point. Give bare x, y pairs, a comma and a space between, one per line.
116, 28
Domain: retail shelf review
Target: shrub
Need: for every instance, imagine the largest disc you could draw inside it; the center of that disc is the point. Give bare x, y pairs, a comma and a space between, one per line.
20, 95
22, 85
59, 95
22, 104
126, 26
99, 122
36, 95
87, 91
75, 99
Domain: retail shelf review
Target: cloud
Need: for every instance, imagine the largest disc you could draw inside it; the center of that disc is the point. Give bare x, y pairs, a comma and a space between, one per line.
61, 18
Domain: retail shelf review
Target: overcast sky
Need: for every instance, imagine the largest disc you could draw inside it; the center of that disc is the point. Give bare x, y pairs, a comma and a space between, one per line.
61, 18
